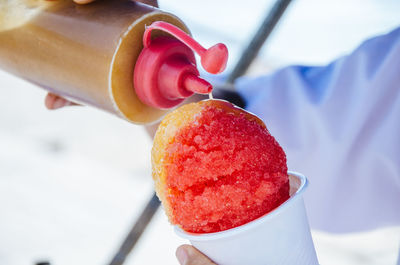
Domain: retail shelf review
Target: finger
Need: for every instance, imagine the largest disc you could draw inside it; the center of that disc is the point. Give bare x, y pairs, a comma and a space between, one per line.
188, 255
53, 102
83, 1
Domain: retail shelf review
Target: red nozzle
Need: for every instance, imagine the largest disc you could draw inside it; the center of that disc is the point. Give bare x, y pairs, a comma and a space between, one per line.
166, 73
196, 84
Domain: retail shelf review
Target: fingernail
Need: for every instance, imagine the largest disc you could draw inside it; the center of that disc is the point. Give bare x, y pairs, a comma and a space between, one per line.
182, 255
59, 103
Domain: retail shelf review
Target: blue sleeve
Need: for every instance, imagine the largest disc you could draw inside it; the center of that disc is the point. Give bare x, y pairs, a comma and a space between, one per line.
340, 126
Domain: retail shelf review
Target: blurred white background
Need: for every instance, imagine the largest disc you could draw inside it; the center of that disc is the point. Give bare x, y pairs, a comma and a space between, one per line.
72, 182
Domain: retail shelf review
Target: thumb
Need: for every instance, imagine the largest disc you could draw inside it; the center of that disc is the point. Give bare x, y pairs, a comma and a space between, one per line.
188, 255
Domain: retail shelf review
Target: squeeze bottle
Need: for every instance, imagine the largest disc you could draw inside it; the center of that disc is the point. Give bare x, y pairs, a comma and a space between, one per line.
125, 57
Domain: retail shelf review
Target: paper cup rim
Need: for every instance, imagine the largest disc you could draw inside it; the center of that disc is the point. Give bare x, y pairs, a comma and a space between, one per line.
250, 225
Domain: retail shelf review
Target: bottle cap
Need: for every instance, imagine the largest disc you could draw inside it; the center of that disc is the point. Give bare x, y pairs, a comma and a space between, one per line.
166, 73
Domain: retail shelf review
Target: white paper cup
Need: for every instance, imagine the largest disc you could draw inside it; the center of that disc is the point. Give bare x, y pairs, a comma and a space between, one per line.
281, 237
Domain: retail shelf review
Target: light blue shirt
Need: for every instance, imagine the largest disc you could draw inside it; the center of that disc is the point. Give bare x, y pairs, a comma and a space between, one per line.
340, 126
